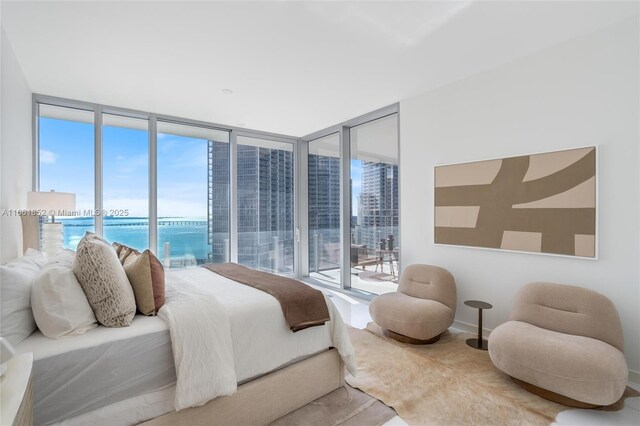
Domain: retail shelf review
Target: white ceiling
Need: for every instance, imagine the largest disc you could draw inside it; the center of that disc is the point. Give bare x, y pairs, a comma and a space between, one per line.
294, 67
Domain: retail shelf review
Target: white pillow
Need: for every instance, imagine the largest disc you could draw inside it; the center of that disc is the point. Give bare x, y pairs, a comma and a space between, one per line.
65, 257
16, 277
58, 302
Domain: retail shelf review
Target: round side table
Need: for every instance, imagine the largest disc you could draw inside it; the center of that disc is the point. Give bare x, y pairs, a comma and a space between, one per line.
478, 343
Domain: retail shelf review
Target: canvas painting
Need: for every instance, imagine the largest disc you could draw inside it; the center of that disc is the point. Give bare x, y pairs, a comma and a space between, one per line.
541, 203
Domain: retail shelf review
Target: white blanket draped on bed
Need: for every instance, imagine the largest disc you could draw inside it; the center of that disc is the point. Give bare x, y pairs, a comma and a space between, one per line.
201, 343
201, 334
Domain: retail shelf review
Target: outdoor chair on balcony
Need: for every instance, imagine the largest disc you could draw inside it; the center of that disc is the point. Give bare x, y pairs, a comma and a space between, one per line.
423, 307
361, 258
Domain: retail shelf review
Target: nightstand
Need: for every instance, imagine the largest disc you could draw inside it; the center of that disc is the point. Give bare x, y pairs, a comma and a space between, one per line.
16, 395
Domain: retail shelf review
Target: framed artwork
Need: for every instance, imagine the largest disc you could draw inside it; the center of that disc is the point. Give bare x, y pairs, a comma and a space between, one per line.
539, 203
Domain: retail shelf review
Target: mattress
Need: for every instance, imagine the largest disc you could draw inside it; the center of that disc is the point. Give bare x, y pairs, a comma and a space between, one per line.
79, 374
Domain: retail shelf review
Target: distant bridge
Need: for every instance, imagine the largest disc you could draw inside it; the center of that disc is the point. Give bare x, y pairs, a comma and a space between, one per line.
160, 223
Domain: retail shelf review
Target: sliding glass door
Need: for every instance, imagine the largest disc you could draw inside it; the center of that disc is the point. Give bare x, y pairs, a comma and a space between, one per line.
353, 204
374, 205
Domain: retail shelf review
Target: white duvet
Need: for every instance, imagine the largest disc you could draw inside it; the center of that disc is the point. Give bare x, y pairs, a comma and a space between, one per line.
223, 333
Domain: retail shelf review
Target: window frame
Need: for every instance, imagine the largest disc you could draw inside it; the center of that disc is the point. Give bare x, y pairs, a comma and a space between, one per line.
300, 149
344, 129
153, 118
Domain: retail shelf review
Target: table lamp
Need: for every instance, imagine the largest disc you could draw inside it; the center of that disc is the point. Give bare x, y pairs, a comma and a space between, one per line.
51, 203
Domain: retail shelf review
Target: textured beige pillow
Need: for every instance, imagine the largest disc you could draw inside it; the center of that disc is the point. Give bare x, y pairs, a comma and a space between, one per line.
104, 282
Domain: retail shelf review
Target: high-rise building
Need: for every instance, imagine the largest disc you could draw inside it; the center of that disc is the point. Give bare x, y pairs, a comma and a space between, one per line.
218, 201
324, 212
377, 204
324, 192
265, 205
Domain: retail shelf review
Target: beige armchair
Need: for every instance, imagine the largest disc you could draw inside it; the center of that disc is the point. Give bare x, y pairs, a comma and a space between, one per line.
563, 343
423, 307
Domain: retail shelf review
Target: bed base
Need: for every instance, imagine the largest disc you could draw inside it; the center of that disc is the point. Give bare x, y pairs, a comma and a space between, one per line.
267, 398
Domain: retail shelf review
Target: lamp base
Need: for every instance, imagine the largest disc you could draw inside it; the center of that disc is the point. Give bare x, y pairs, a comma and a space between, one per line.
52, 239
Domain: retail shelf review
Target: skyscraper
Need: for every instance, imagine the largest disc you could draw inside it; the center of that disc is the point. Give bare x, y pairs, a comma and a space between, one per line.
265, 205
218, 201
324, 212
377, 204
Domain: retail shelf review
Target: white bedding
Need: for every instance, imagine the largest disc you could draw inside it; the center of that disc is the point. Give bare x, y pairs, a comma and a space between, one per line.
260, 338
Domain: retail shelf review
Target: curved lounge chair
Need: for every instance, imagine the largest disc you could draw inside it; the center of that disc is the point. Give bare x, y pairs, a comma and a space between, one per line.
563, 343
423, 307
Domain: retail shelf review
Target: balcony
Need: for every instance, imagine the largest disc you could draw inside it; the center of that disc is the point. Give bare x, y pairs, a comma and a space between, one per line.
373, 267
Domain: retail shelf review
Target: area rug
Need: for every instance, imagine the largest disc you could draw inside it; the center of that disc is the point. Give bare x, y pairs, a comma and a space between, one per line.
345, 407
447, 382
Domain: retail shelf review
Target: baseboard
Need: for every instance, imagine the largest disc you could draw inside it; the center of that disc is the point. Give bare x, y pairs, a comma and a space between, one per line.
634, 376
470, 328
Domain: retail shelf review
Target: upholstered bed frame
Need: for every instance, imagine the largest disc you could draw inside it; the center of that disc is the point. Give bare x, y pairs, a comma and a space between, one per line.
259, 401
266, 398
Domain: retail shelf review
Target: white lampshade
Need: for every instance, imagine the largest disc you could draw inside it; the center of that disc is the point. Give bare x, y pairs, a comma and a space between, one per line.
51, 201
52, 204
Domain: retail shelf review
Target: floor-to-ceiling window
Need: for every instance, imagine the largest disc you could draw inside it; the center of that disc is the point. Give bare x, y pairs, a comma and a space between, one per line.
374, 205
125, 169
192, 195
265, 200
164, 183
66, 163
323, 181
353, 204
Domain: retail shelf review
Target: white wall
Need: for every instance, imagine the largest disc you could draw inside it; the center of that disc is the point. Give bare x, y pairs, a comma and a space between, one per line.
15, 148
580, 93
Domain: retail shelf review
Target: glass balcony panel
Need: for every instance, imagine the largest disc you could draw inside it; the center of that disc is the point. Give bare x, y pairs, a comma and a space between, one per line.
374, 205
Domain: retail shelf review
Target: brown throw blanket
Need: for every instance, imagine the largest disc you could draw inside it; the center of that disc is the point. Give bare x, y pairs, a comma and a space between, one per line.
302, 305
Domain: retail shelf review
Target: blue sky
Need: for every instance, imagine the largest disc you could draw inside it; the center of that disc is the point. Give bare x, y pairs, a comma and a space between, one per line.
66, 164
66, 159
356, 184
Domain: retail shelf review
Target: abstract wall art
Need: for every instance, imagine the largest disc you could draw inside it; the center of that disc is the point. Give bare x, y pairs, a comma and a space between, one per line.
540, 203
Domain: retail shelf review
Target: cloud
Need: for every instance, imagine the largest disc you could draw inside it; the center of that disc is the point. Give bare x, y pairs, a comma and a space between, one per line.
48, 157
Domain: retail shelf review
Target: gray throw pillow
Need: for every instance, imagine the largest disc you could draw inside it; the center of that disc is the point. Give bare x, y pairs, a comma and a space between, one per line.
104, 282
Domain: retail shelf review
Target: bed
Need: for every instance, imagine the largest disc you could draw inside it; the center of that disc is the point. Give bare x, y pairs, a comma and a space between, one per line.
128, 375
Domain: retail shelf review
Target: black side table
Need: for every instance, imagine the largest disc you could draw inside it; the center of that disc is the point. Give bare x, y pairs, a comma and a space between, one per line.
478, 343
